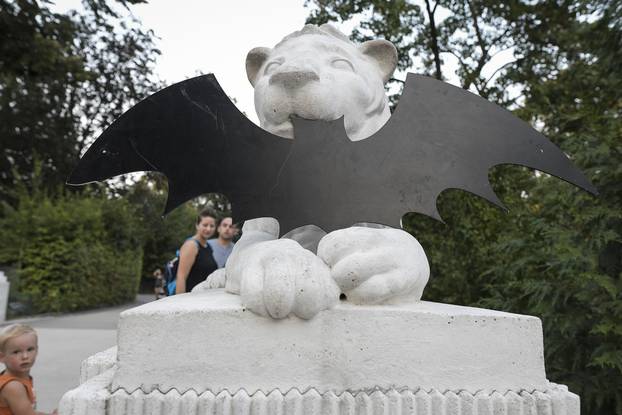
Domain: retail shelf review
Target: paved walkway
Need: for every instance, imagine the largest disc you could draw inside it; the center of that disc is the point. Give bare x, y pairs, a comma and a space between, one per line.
64, 342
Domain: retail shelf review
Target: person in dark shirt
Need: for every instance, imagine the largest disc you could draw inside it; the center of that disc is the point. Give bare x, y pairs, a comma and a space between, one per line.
196, 261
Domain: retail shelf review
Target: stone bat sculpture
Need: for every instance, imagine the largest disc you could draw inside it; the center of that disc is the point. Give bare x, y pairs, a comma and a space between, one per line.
346, 164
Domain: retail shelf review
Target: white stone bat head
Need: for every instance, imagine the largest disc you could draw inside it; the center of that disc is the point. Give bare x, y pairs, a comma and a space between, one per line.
318, 73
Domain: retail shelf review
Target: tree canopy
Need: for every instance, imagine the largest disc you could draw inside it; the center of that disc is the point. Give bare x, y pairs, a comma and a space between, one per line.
63, 77
557, 254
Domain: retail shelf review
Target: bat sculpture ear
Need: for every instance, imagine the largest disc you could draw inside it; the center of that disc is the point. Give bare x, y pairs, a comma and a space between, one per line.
255, 58
383, 53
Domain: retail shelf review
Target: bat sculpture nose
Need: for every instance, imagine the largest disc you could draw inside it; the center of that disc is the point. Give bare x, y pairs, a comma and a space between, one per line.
293, 78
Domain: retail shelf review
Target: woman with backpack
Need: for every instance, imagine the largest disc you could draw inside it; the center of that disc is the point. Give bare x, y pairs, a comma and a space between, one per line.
196, 261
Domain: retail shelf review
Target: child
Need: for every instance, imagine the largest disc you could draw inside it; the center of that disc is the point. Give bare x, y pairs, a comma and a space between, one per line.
18, 352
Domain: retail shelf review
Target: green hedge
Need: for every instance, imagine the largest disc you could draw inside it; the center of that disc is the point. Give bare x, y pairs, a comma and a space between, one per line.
161, 236
72, 252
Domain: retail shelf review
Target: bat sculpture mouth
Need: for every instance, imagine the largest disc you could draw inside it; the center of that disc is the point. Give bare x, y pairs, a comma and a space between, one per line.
280, 122
284, 129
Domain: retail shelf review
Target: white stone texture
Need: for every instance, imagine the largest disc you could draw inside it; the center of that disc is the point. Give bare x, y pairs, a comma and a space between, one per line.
97, 364
280, 278
318, 73
5, 287
277, 278
90, 398
253, 232
93, 398
216, 279
212, 342
372, 266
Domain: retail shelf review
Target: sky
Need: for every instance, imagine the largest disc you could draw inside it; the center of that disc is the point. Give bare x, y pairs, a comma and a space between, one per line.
203, 36
214, 36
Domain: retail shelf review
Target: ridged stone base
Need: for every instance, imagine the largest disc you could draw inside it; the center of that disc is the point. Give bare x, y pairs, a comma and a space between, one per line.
94, 398
212, 343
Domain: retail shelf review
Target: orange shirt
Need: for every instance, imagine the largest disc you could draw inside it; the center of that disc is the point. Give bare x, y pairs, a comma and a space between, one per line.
4, 379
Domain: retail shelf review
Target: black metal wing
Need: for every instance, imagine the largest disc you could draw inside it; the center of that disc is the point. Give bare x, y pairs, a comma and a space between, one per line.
440, 137
193, 134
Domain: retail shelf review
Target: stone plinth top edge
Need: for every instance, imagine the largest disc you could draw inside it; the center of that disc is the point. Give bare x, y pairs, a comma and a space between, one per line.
219, 300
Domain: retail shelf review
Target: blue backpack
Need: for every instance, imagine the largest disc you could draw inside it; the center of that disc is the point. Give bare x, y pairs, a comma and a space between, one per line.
170, 275
170, 272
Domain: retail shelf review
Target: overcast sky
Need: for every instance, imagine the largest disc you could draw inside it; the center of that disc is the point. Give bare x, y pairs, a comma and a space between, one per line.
214, 36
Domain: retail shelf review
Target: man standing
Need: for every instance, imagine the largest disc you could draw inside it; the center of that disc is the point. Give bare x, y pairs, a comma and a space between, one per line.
223, 245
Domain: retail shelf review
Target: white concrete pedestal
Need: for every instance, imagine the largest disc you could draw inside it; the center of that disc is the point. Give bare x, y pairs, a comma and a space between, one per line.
203, 353
5, 287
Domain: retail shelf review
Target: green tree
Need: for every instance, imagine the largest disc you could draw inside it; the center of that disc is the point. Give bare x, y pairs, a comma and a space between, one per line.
63, 77
160, 236
557, 254
572, 275
70, 251
433, 37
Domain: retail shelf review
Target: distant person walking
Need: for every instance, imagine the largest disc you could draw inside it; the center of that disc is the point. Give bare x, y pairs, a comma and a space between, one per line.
158, 286
223, 244
18, 352
196, 261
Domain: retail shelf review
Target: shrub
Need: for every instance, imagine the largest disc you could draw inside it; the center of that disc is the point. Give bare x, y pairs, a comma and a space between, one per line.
72, 252
161, 236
